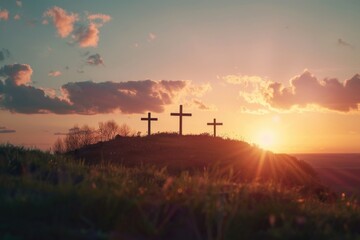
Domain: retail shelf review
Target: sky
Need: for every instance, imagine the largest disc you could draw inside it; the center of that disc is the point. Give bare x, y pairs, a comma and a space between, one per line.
279, 74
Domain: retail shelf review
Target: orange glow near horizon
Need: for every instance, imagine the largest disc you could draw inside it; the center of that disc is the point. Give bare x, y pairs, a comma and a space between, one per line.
266, 139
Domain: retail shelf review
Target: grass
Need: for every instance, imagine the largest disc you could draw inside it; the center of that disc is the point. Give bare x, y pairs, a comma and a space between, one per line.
43, 196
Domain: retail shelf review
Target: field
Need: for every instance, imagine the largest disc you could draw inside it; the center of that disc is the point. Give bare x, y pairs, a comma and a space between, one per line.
45, 196
340, 171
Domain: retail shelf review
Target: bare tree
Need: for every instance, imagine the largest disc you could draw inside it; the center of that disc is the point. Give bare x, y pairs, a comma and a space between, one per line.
79, 137
72, 139
124, 130
108, 130
87, 136
59, 146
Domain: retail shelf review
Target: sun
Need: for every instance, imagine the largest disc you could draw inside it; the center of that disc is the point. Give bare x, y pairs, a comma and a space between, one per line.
266, 139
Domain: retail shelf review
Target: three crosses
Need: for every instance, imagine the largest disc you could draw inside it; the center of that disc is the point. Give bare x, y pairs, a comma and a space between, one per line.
180, 114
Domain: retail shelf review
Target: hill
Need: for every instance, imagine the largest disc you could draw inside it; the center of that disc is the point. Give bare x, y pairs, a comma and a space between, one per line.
46, 196
235, 159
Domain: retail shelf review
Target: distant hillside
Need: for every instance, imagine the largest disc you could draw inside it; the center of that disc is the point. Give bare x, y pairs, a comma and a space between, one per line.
237, 159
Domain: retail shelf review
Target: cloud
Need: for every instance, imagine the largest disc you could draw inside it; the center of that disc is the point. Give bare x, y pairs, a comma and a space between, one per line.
87, 36
54, 74
251, 87
4, 14
63, 21
202, 106
304, 91
4, 54
5, 130
18, 3
343, 43
99, 18
17, 74
85, 97
198, 90
128, 97
95, 60
86, 33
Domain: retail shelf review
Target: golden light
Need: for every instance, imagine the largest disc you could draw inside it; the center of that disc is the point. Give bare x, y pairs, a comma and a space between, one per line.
266, 139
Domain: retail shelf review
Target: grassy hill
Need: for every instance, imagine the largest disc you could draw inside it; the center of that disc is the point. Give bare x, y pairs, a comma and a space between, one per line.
46, 196
238, 160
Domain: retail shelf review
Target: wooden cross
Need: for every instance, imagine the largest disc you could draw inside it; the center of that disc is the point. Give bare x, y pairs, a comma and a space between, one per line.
180, 114
215, 124
149, 119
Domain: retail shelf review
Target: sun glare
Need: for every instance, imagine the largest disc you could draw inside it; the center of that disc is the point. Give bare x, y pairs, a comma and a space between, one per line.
266, 139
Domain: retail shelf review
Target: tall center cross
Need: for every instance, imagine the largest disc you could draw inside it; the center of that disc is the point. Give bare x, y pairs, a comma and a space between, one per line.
215, 124
180, 114
149, 119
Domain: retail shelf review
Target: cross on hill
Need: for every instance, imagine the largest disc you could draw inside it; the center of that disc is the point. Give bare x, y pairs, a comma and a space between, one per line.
215, 124
180, 114
149, 119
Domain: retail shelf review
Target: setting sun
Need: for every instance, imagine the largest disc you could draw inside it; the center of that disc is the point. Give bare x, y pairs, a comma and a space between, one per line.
266, 139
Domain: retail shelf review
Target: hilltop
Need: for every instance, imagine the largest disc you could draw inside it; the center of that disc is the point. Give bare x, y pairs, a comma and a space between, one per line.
233, 158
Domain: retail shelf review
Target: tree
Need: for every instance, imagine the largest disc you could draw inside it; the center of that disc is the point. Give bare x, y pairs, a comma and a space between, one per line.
124, 130
59, 146
79, 137
108, 130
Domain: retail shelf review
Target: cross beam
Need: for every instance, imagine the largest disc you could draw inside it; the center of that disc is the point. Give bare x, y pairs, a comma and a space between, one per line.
214, 123
180, 114
149, 119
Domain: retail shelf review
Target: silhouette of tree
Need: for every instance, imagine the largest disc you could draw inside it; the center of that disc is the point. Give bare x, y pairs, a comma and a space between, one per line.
59, 146
108, 130
124, 130
79, 137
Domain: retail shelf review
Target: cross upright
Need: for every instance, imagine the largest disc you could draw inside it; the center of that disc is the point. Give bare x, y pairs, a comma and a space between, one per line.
149, 119
214, 123
180, 114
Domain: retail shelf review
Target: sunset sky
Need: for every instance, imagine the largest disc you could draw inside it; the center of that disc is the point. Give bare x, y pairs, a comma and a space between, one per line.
281, 74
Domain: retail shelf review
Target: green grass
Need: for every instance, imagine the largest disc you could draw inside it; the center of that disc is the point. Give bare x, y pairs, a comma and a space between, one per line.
43, 196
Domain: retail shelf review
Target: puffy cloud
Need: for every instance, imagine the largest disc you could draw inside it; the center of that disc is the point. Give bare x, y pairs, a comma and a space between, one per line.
100, 18
85, 97
4, 14
15, 96
4, 53
128, 97
29, 100
306, 90
17, 74
87, 36
63, 21
95, 60
54, 73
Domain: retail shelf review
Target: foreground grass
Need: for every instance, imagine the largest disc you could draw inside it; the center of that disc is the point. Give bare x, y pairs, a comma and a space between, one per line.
43, 196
